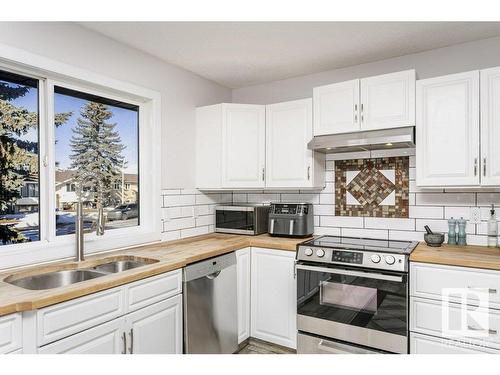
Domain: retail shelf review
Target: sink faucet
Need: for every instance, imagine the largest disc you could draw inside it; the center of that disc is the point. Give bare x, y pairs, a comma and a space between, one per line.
79, 229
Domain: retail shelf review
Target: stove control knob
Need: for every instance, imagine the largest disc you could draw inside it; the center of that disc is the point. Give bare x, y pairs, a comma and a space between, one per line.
320, 253
375, 258
390, 259
308, 252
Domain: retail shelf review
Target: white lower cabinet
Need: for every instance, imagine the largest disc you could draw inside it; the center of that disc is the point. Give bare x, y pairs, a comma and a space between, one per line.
11, 333
156, 329
453, 309
143, 317
243, 260
424, 344
273, 297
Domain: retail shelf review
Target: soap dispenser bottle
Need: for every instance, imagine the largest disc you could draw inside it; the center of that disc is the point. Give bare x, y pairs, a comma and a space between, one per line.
492, 228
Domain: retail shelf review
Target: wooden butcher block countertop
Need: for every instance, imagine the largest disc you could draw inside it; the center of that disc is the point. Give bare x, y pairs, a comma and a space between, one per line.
462, 256
165, 256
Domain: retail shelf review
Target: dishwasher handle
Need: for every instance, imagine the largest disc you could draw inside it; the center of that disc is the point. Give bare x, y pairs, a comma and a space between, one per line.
213, 275
210, 268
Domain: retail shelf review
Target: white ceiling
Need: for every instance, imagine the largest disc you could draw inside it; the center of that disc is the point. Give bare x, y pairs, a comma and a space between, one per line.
238, 54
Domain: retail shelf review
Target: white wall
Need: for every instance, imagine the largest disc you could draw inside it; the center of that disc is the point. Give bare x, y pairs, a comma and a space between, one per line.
181, 90
459, 58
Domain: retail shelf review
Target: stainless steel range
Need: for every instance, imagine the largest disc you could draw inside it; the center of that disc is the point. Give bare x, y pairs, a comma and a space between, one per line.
352, 295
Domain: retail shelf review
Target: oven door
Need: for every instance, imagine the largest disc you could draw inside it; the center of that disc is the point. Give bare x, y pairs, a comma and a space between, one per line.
236, 220
354, 305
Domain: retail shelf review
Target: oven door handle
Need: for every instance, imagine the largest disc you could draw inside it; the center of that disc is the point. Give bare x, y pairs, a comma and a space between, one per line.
368, 275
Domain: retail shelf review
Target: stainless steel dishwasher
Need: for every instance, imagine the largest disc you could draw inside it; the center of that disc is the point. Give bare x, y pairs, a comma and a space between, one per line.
210, 306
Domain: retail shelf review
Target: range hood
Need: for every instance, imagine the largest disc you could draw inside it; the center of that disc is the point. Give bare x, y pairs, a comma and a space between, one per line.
364, 140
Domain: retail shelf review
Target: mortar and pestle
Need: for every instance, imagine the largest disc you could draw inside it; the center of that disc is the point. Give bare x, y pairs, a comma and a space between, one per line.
433, 239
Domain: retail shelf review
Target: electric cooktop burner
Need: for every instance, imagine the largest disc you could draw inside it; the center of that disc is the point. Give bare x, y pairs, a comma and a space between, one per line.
357, 252
366, 244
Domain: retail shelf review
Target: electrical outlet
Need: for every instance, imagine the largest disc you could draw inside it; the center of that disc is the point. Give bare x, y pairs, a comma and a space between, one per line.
475, 215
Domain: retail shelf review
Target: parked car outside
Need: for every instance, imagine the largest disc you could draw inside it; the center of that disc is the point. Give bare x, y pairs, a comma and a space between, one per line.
124, 212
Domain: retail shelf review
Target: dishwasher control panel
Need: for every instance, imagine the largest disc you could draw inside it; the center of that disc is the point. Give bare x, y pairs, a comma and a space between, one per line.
209, 267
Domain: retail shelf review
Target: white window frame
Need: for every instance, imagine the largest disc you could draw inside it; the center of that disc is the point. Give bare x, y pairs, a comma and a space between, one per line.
52, 73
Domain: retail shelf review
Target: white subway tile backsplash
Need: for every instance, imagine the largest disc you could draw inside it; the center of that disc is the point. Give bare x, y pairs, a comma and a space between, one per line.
400, 235
324, 209
370, 233
487, 199
457, 212
178, 200
263, 198
326, 231
190, 232
389, 223
477, 240
189, 212
341, 221
426, 212
445, 199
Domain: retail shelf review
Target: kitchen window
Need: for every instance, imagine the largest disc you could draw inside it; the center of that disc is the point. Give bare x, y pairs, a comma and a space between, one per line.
19, 159
96, 148
67, 134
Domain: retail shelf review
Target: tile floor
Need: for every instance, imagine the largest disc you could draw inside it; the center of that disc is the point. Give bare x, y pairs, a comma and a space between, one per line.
255, 346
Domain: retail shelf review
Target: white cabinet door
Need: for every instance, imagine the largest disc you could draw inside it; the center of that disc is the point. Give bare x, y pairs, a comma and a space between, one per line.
156, 329
447, 141
243, 146
11, 333
243, 293
289, 163
490, 126
388, 101
336, 108
273, 297
107, 338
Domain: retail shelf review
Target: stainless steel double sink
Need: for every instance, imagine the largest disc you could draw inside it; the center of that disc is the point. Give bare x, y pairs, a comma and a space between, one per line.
60, 278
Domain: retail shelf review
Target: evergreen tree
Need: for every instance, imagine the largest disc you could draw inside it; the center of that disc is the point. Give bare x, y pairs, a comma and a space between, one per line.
96, 152
18, 158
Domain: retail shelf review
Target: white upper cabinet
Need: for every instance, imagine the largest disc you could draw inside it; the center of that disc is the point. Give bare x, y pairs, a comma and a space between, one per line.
243, 146
336, 108
490, 126
388, 101
447, 144
239, 147
380, 102
289, 163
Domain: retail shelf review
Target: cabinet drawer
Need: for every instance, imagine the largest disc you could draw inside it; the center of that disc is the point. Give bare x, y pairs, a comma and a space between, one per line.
11, 333
427, 316
423, 344
153, 289
106, 338
67, 318
429, 280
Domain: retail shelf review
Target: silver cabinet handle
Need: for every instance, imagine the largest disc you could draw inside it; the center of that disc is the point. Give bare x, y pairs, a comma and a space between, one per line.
309, 173
124, 339
490, 290
475, 166
131, 341
336, 271
356, 113
490, 331
362, 116
484, 166
263, 173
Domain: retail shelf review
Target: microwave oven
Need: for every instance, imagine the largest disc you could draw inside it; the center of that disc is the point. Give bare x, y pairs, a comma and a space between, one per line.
242, 219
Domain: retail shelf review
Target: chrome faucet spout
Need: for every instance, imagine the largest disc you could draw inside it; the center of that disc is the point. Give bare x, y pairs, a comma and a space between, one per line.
79, 230
101, 222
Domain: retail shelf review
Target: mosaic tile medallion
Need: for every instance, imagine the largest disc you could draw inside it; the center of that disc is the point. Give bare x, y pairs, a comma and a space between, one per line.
372, 187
